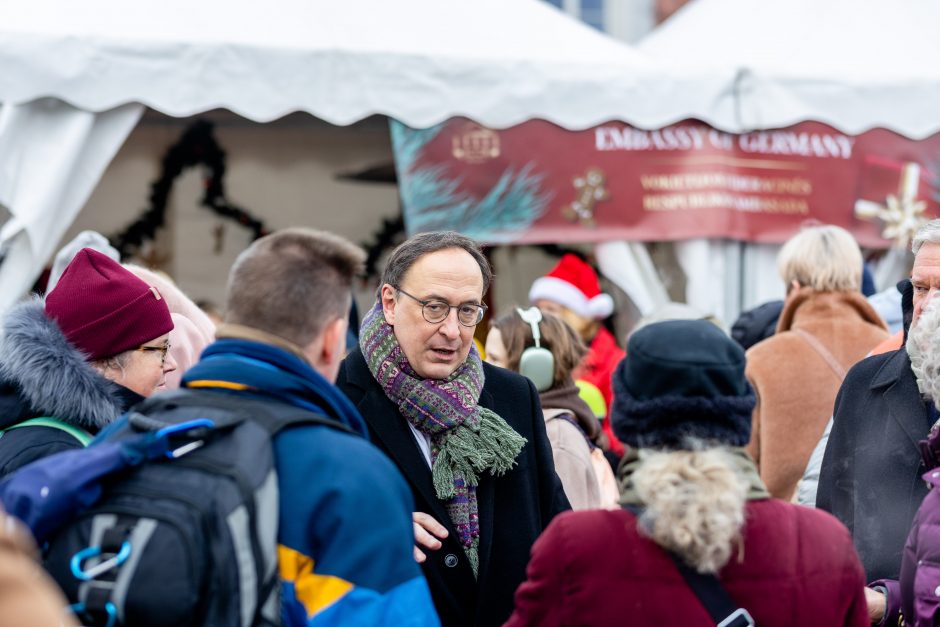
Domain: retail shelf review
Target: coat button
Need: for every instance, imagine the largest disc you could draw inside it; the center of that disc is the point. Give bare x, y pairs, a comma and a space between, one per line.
937, 591
450, 560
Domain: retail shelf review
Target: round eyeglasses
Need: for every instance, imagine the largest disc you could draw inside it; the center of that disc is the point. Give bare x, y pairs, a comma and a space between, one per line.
434, 311
164, 349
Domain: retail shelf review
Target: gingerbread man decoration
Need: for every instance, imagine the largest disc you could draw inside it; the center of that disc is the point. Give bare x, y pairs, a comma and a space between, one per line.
591, 190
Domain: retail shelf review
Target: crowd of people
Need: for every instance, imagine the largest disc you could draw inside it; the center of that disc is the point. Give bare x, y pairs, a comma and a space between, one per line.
431, 469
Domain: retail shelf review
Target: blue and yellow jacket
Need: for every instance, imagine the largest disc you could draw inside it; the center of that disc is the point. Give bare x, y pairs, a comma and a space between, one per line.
345, 537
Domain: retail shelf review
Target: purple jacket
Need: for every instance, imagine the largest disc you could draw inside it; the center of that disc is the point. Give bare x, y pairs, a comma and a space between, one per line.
920, 566
916, 595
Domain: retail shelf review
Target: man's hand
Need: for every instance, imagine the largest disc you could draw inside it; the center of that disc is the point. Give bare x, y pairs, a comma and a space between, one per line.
427, 532
876, 602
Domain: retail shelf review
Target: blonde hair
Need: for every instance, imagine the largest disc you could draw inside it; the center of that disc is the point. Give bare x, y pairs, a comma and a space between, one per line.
694, 503
825, 258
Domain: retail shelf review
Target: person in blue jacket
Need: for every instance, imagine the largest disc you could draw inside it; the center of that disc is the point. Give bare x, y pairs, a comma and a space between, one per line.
345, 537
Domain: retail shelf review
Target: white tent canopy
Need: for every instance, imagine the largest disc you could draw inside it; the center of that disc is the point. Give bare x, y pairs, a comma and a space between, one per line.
852, 64
500, 62
76, 76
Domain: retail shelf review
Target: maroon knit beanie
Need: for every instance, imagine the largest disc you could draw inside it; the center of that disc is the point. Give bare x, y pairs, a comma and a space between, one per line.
103, 309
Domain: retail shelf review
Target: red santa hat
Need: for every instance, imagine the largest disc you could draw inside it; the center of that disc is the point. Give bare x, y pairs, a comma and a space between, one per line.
573, 283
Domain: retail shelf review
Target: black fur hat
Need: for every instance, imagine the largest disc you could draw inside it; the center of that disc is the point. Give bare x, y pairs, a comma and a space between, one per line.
682, 379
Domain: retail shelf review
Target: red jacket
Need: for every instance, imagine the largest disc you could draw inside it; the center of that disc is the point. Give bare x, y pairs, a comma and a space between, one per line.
598, 369
593, 568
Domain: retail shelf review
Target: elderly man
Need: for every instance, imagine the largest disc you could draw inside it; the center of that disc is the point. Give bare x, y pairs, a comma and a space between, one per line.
870, 477
469, 437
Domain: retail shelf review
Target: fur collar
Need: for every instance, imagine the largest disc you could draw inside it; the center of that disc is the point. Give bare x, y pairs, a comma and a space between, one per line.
52, 375
674, 421
806, 306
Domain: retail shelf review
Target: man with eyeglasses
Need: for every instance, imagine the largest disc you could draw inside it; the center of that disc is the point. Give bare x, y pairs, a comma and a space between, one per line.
468, 437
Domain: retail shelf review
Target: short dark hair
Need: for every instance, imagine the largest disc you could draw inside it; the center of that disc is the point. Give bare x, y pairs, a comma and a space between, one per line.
412, 249
293, 282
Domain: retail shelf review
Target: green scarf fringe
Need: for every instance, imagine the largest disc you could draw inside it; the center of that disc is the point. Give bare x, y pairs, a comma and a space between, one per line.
465, 453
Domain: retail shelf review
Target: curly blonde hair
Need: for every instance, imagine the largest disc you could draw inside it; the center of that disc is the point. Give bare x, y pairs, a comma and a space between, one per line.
923, 348
694, 503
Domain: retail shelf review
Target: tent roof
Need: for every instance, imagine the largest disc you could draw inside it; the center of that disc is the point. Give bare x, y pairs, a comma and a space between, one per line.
853, 64
499, 62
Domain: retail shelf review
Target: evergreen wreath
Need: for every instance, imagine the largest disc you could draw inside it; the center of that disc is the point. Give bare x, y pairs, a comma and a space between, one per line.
197, 146
388, 236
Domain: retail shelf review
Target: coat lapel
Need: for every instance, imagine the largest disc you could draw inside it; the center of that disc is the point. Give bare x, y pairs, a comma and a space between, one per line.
393, 436
902, 397
387, 425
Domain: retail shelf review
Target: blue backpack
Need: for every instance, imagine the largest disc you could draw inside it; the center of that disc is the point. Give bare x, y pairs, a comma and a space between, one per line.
170, 518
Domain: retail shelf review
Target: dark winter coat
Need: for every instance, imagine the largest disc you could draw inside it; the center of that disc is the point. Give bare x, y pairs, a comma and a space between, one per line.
41, 374
871, 472
514, 508
796, 567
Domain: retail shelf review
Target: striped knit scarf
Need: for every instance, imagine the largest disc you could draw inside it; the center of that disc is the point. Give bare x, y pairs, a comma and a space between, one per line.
466, 439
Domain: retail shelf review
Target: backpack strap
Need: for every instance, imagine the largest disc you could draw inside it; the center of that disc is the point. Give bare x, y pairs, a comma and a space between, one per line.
277, 416
273, 415
79, 434
708, 588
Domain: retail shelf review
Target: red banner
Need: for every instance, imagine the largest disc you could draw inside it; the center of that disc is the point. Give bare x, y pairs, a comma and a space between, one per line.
537, 182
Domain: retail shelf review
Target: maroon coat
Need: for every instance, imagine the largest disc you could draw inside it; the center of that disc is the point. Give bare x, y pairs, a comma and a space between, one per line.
593, 568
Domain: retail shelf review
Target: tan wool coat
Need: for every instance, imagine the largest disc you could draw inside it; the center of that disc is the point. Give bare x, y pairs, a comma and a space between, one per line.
796, 387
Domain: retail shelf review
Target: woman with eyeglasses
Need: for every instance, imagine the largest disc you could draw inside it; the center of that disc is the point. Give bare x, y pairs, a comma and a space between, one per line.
71, 363
192, 330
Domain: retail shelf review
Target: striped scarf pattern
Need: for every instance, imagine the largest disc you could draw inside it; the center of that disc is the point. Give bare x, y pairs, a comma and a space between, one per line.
466, 439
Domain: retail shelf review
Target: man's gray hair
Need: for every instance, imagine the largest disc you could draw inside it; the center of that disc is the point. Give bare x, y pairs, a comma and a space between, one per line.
409, 251
293, 282
930, 232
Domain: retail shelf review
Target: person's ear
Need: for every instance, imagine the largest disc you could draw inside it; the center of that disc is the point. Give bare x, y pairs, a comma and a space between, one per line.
333, 346
389, 303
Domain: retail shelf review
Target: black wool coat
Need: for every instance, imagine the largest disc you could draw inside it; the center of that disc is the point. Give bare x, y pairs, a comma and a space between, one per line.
514, 508
871, 472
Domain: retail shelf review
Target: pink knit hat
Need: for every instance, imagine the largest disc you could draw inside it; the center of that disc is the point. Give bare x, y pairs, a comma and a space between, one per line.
102, 309
574, 284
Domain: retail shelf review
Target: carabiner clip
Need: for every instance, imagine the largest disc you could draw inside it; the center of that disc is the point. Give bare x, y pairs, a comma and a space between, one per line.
183, 427
98, 569
109, 607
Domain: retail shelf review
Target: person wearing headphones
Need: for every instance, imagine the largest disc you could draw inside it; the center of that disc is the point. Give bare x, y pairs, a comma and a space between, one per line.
545, 349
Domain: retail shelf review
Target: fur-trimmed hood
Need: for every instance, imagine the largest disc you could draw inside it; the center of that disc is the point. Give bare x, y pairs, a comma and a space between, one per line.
52, 376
